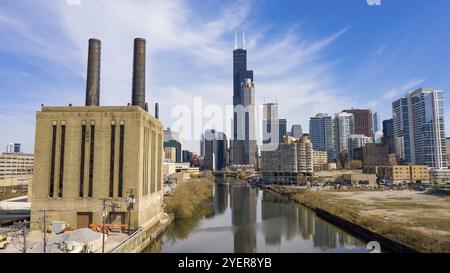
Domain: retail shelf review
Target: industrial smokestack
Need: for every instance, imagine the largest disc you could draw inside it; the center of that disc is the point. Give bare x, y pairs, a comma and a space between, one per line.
157, 110
138, 96
93, 73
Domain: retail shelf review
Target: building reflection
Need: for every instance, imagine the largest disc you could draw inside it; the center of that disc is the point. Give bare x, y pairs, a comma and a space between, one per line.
281, 220
325, 235
220, 198
243, 218
282, 217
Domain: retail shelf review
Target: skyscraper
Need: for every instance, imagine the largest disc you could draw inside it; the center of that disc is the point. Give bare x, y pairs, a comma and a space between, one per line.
401, 130
282, 125
321, 134
419, 128
376, 121
342, 129
215, 150
296, 131
244, 137
13, 148
388, 134
362, 121
270, 119
173, 139
357, 141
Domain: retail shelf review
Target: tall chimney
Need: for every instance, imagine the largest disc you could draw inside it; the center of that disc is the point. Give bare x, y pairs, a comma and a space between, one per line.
93, 73
138, 95
157, 110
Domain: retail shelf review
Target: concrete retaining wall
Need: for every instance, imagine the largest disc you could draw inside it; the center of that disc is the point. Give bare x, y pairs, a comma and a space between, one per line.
139, 240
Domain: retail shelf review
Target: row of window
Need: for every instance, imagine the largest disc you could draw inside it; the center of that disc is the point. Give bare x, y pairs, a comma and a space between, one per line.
84, 136
150, 174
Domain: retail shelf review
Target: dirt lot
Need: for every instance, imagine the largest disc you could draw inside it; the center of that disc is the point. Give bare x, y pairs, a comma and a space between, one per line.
417, 219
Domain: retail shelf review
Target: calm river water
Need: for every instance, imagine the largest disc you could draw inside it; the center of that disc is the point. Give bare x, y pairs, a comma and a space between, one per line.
246, 220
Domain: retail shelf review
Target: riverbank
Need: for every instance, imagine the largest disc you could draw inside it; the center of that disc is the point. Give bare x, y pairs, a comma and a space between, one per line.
416, 220
188, 197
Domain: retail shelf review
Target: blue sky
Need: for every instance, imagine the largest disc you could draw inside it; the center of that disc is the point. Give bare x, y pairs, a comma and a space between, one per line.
310, 55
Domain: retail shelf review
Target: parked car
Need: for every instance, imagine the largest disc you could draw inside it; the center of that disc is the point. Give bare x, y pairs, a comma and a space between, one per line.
420, 188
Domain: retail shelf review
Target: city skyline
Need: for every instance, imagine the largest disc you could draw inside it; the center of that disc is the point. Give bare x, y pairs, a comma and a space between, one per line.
299, 56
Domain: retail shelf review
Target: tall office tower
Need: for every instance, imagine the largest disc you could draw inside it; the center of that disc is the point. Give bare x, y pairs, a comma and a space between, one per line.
321, 134
174, 140
388, 135
420, 116
357, 141
244, 137
187, 156
362, 121
376, 121
202, 145
13, 148
401, 130
215, 150
170, 154
342, 129
282, 125
86, 154
296, 131
270, 119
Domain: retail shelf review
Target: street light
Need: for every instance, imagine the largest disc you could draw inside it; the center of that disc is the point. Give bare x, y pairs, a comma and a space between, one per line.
131, 200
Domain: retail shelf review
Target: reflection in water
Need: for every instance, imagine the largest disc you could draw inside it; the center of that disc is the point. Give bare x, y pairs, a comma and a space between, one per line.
243, 217
220, 198
246, 220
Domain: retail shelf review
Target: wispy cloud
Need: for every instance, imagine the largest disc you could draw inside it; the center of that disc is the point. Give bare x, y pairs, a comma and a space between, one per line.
189, 55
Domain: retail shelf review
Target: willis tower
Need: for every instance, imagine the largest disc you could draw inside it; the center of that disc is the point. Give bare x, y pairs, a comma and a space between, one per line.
244, 139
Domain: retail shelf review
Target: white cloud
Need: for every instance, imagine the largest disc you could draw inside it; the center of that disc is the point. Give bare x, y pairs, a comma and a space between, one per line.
189, 54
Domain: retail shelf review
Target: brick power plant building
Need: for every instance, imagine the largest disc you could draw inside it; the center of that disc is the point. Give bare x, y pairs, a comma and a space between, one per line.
89, 153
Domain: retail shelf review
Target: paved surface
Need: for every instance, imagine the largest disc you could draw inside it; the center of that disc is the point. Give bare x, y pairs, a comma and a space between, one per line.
35, 241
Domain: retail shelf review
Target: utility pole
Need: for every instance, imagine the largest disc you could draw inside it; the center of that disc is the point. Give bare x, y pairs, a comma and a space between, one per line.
45, 231
45, 223
131, 200
103, 225
104, 214
25, 234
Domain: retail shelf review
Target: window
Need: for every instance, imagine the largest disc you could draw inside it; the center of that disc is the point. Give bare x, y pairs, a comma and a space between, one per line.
83, 154
154, 180
158, 163
111, 160
145, 163
121, 147
52, 162
61, 159
91, 160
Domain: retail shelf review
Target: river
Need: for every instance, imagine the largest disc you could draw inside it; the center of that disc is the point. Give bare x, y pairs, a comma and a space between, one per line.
242, 219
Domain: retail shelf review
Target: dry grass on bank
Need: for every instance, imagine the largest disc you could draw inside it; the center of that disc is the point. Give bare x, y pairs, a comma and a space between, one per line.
414, 219
188, 197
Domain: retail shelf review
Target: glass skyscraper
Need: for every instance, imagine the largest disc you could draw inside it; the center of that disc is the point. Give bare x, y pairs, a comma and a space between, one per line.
419, 131
321, 134
244, 145
343, 127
